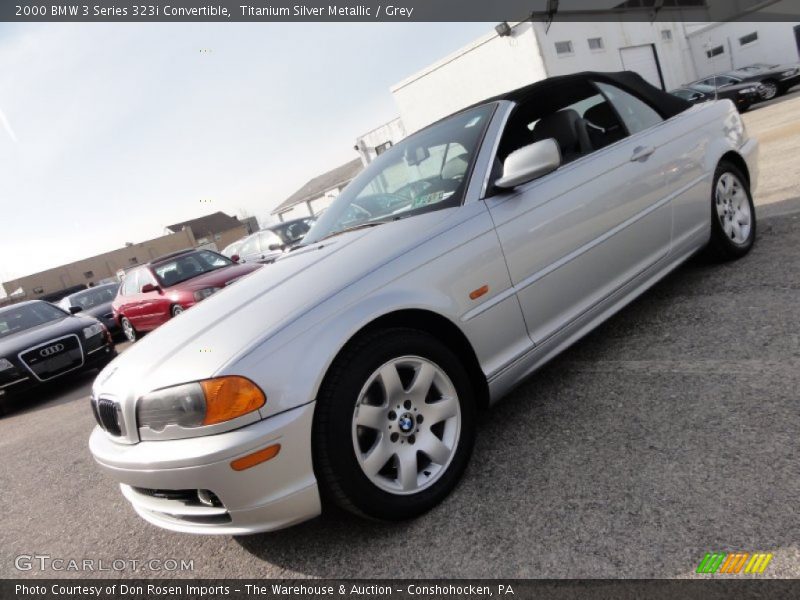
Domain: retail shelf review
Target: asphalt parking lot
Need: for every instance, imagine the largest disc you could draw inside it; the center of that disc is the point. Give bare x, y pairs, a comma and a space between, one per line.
669, 432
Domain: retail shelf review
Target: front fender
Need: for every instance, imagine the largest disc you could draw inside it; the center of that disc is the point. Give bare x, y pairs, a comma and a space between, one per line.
292, 374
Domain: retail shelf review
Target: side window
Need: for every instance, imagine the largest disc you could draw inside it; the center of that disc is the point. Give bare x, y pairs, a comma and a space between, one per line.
250, 246
145, 277
725, 80
635, 113
267, 239
129, 287
575, 115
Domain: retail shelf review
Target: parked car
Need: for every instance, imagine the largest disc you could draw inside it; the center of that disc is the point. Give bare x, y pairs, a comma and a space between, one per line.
40, 343
231, 249
292, 232
154, 293
96, 302
773, 80
56, 296
352, 369
260, 247
743, 95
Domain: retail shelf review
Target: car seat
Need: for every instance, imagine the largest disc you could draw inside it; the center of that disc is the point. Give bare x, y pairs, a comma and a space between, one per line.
568, 129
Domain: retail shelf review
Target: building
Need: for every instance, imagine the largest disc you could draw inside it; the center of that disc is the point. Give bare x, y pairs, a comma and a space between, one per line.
380, 139
530, 51
727, 46
214, 231
95, 269
318, 193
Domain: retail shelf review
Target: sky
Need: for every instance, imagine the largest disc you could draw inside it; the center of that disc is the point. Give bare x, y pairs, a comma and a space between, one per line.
111, 132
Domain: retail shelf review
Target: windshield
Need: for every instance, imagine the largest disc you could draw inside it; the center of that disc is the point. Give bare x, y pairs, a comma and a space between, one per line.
424, 172
26, 316
189, 265
701, 87
92, 297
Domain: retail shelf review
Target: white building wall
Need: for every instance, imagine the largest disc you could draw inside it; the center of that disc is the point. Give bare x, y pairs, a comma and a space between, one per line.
673, 53
776, 44
492, 64
366, 144
489, 66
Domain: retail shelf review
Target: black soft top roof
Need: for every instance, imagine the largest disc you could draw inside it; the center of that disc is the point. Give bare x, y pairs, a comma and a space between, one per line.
666, 104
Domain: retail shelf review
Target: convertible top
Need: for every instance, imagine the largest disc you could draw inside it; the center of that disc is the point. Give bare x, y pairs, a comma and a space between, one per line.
664, 103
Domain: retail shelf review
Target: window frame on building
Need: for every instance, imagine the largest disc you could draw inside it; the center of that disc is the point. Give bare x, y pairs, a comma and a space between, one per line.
601, 45
748, 39
560, 43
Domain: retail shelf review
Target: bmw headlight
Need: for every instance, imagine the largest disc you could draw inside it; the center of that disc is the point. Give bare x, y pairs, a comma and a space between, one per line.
789, 73
93, 330
199, 403
5, 364
204, 293
749, 90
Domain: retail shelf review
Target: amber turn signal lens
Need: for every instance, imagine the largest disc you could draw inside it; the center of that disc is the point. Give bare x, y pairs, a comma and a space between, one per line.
230, 397
256, 458
475, 294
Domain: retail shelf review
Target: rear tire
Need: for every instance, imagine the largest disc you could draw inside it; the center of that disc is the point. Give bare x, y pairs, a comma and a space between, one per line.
394, 425
733, 214
176, 310
127, 328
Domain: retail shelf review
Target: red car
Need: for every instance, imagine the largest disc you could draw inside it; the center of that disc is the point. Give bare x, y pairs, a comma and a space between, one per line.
152, 294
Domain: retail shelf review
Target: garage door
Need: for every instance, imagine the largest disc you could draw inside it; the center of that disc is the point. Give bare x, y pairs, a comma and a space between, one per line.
642, 60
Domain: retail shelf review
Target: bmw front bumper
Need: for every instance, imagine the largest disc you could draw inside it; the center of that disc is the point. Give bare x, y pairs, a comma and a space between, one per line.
188, 485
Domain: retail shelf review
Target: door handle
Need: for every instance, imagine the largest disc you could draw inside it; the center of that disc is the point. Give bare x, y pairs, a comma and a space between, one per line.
642, 152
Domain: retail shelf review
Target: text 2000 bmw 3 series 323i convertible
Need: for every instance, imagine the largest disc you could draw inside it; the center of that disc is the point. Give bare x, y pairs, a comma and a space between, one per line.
462, 259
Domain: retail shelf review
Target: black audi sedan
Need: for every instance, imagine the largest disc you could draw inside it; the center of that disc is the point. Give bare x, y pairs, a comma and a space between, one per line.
96, 302
40, 342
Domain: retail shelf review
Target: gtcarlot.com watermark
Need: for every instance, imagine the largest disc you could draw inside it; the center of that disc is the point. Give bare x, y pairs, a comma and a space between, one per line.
46, 562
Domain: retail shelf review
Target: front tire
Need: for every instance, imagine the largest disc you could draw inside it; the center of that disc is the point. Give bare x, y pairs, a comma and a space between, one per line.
394, 425
176, 310
733, 214
769, 89
127, 328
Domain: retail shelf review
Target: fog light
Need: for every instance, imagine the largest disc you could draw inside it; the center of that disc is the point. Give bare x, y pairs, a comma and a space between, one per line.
208, 498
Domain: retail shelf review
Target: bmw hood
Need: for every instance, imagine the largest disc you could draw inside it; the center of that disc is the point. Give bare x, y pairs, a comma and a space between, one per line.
200, 342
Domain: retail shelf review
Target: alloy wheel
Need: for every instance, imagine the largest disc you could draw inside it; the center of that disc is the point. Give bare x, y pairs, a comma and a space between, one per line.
733, 208
127, 329
406, 425
768, 90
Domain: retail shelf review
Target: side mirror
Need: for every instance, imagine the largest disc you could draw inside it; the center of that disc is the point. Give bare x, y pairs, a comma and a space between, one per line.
235, 258
529, 162
75, 309
150, 287
695, 96
274, 247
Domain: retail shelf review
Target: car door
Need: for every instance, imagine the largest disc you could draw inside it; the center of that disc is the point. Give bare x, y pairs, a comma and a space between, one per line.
131, 307
155, 305
577, 234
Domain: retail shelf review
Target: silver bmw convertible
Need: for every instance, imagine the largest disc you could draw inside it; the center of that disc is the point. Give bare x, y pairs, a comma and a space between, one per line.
458, 262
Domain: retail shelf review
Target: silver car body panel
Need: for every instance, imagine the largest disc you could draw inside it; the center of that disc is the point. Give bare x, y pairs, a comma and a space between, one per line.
559, 255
